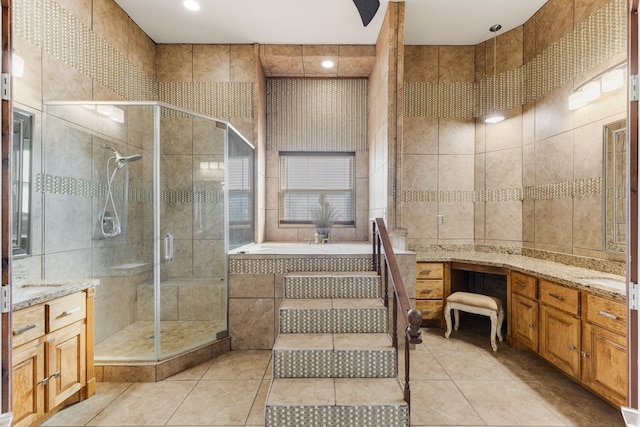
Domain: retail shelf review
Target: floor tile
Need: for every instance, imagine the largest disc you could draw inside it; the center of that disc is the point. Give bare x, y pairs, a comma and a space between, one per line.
470, 365
145, 404
256, 416
507, 403
250, 365
217, 402
439, 402
81, 413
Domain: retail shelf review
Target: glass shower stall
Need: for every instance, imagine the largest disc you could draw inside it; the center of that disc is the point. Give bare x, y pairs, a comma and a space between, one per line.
149, 199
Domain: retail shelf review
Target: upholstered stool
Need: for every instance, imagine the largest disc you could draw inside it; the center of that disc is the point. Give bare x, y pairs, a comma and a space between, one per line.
477, 304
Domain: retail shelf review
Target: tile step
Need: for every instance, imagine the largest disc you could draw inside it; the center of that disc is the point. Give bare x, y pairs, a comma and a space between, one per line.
334, 356
336, 401
312, 316
332, 285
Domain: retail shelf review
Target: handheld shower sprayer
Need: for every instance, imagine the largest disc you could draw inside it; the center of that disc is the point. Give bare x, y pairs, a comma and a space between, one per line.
110, 223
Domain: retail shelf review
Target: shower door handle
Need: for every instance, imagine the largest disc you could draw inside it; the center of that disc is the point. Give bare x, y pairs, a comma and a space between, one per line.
168, 247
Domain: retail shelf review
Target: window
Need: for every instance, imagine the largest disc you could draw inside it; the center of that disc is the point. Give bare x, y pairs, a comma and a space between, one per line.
240, 190
304, 176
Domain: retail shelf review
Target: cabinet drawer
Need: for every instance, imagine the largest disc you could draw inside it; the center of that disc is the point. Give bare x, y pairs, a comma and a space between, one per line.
27, 324
607, 313
429, 289
429, 270
523, 285
561, 297
430, 308
66, 310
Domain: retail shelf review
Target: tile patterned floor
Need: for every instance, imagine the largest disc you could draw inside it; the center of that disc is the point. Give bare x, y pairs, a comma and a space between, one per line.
455, 382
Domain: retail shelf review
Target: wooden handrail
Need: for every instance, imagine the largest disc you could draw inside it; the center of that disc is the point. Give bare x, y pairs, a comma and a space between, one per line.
412, 318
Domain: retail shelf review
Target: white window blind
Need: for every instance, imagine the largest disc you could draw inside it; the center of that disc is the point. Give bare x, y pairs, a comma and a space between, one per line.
239, 177
305, 176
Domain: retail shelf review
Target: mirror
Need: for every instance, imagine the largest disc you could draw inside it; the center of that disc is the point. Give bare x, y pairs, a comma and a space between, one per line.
21, 182
615, 176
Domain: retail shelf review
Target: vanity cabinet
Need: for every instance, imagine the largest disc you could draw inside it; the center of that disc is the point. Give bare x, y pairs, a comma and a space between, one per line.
560, 327
524, 309
604, 348
51, 365
430, 290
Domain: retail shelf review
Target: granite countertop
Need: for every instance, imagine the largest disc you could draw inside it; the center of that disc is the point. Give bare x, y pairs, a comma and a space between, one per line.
36, 292
593, 281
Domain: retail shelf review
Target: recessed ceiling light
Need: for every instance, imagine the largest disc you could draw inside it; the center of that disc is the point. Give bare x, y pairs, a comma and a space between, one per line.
327, 64
191, 5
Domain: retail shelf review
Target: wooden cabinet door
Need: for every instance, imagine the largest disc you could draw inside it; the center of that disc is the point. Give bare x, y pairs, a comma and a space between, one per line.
66, 364
27, 384
525, 321
560, 339
604, 364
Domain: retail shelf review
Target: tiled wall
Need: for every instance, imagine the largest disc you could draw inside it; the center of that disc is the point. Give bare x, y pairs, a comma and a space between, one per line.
535, 179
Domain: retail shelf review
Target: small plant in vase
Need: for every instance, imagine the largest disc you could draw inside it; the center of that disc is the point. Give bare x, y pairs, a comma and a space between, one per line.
323, 217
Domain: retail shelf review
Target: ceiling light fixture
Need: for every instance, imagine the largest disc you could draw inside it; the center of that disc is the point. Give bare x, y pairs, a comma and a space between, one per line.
494, 116
608, 81
192, 5
327, 63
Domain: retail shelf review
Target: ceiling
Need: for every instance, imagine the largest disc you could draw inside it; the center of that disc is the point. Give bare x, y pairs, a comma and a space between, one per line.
323, 22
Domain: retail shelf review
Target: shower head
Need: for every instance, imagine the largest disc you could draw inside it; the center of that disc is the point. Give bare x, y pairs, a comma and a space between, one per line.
121, 160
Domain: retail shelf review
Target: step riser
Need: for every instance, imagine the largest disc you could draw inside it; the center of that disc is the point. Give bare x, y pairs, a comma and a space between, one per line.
325, 287
334, 364
318, 321
361, 416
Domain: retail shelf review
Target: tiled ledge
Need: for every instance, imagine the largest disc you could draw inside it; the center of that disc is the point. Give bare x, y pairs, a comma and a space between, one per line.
570, 275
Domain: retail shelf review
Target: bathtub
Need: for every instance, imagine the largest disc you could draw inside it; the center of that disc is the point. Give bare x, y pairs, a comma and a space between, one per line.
285, 248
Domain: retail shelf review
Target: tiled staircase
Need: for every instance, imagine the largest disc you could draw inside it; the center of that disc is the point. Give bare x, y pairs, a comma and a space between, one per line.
333, 361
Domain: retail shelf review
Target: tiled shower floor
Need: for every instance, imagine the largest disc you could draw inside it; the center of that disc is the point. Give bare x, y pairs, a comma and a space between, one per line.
136, 341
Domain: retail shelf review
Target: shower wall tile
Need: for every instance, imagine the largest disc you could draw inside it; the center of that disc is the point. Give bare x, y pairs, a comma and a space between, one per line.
145, 302
142, 50
211, 63
528, 123
529, 40
174, 63
114, 307
456, 63
207, 138
176, 219
176, 172
273, 184
259, 313
27, 89
200, 303
182, 263
553, 20
111, 23
242, 63
509, 51
209, 258
176, 135
480, 172
67, 224
81, 9
481, 138
68, 265
244, 125
481, 61
586, 8
75, 86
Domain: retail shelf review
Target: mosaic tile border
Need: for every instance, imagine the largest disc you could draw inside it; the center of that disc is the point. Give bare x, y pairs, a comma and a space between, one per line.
55, 184
52, 28
246, 265
587, 187
221, 100
329, 114
303, 363
332, 287
326, 321
322, 415
598, 38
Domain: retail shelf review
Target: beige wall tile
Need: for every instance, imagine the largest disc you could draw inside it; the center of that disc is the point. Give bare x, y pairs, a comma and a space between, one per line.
588, 150
504, 135
504, 221
421, 63
462, 179
510, 51
586, 8
587, 223
553, 20
456, 63
75, 85
111, 23
420, 135
251, 286
251, 323
554, 159
27, 89
174, 63
420, 172
504, 169
211, 63
554, 223
142, 50
552, 115
457, 225
243, 63
456, 136
81, 9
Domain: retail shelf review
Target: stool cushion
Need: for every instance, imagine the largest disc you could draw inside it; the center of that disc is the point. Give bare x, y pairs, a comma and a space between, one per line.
475, 300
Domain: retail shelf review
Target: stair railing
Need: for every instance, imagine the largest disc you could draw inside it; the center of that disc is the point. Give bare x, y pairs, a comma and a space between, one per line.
385, 264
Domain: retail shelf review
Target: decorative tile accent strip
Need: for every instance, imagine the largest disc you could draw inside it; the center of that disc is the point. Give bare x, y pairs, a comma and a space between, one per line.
598, 38
332, 287
558, 190
325, 321
317, 114
607, 266
249, 264
316, 415
305, 363
54, 184
52, 28
215, 99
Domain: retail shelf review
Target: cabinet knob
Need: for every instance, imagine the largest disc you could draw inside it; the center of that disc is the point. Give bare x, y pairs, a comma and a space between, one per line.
572, 347
584, 354
532, 325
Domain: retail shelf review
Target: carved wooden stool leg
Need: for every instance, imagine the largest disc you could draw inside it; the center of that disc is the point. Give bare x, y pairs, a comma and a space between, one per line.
447, 318
494, 326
